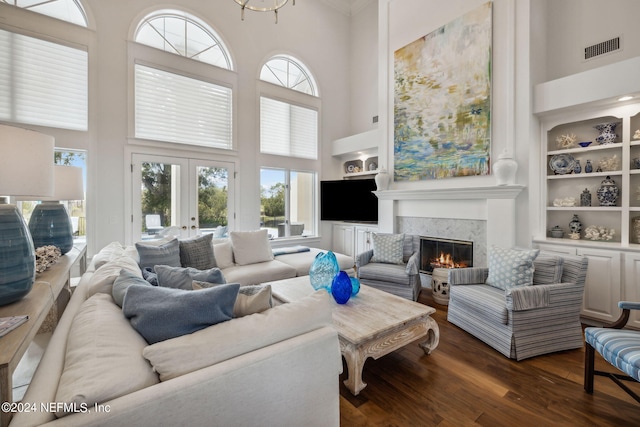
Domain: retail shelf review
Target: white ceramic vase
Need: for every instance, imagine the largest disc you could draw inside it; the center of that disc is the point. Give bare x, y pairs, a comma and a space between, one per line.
505, 169
382, 179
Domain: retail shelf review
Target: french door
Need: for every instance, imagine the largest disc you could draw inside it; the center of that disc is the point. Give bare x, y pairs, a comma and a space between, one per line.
181, 197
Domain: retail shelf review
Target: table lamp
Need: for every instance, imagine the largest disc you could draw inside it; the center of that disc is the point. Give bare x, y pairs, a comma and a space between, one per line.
26, 169
50, 223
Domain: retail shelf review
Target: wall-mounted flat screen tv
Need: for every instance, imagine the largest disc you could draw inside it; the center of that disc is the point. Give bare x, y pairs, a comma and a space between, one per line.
348, 200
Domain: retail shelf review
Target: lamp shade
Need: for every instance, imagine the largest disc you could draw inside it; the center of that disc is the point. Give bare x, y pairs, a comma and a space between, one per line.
67, 185
26, 169
26, 163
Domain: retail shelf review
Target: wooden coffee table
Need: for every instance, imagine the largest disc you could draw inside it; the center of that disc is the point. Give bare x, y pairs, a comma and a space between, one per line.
372, 324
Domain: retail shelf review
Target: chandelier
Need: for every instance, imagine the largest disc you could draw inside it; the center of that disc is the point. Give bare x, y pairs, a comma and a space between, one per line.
262, 6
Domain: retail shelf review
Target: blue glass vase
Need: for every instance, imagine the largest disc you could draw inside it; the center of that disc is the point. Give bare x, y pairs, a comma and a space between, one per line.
355, 286
50, 224
341, 287
323, 269
17, 256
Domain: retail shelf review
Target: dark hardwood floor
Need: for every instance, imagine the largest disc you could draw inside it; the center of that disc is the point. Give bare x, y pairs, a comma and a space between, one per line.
464, 382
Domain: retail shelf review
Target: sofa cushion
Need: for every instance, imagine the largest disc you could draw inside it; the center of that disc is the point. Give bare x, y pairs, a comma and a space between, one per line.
509, 268
159, 313
251, 299
109, 253
179, 356
482, 301
102, 280
385, 273
302, 261
223, 253
261, 272
197, 252
103, 356
122, 283
548, 269
250, 247
164, 251
181, 278
388, 248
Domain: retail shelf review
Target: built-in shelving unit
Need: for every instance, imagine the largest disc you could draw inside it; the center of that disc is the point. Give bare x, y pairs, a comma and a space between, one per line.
359, 154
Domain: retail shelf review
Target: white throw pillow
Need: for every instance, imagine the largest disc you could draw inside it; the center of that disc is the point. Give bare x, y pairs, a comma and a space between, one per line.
102, 280
250, 247
223, 253
103, 357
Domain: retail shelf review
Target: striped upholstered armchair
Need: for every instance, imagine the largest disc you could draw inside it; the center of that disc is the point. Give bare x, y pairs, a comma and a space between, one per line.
526, 320
620, 347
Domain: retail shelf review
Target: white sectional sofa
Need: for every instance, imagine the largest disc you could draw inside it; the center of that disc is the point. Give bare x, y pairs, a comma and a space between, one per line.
279, 366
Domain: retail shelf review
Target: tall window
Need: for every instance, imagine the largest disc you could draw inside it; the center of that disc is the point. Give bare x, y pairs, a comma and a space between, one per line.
43, 83
287, 202
289, 116
65, 10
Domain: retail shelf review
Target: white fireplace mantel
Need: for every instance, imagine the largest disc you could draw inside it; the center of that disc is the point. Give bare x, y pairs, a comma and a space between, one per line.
467, 193
494, 204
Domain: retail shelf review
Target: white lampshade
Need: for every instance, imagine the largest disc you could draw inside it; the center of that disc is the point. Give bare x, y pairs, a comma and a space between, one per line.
26, 162
67, 183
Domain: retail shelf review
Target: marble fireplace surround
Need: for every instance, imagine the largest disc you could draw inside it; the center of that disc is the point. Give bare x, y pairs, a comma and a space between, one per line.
483, 215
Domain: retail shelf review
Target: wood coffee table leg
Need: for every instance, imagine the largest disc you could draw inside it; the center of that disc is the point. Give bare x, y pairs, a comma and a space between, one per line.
433, 336
355, 363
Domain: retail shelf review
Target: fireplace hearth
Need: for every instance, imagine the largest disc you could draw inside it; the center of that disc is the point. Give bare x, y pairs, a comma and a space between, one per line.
444, 253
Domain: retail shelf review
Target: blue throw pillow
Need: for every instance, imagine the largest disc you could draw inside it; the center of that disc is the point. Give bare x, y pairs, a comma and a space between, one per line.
150, 276
122, 283
182, 278
160, 314
160, 252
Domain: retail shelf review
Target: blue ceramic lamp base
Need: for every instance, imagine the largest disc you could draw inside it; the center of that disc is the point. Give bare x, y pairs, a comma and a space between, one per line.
17, 256
50, 224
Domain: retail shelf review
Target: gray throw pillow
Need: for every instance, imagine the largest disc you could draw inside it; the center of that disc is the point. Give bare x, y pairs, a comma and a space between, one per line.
182, 278
122, 283
159, 253
251, 299
160, 314
197, 252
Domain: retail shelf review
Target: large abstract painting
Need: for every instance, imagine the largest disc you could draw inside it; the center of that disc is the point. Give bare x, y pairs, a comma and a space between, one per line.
442, 105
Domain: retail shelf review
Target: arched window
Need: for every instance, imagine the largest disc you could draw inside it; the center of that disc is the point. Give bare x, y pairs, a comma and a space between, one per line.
183, 34
287, 71
65, 10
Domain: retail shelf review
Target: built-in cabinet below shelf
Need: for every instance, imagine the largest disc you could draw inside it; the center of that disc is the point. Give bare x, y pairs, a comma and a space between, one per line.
352, 238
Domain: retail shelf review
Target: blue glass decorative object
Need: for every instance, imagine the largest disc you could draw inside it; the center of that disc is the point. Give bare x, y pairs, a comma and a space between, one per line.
323, 269
341, 287
50, 224
355, 286
17, 256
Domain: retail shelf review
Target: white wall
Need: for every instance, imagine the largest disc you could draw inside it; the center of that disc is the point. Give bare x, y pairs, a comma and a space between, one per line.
311, 31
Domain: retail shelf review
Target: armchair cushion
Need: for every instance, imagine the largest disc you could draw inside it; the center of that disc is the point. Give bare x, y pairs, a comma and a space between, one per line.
482, 301
394, 273
388, 248
509, 268
620, 347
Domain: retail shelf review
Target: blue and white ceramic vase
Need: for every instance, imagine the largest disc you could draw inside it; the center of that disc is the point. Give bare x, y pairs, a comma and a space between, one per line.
17, 256
50, 224
607, 133
323, 269
588, 168
341, 287
608, 192
578, 167
575, 226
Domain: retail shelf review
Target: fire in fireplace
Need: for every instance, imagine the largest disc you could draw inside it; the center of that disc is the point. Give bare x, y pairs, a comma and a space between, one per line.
444, 253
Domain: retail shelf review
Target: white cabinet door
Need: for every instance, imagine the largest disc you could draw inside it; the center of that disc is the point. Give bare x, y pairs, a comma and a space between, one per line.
343, 239
364, 238
603, 287
632, 285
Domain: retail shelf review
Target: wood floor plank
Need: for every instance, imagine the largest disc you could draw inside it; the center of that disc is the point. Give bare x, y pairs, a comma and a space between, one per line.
464, 382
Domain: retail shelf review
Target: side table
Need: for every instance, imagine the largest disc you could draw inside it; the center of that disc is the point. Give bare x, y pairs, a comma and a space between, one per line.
36, 304
440, 285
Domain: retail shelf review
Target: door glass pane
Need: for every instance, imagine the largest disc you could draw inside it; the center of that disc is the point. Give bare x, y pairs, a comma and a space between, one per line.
272, 205
301, 204
213, 197
159, 201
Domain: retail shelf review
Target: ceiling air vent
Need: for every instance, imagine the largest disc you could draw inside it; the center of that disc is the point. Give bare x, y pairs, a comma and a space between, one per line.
602, 48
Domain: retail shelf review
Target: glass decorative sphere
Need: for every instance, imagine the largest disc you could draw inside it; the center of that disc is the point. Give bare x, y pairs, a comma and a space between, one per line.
341, 287
355, 286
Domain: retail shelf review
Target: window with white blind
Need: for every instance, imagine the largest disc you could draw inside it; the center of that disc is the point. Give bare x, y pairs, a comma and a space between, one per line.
175, 108
287, 129
43, 83
66, 10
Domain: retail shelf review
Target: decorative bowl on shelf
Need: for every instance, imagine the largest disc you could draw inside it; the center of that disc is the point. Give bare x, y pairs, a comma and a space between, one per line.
584, 144
562, 164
